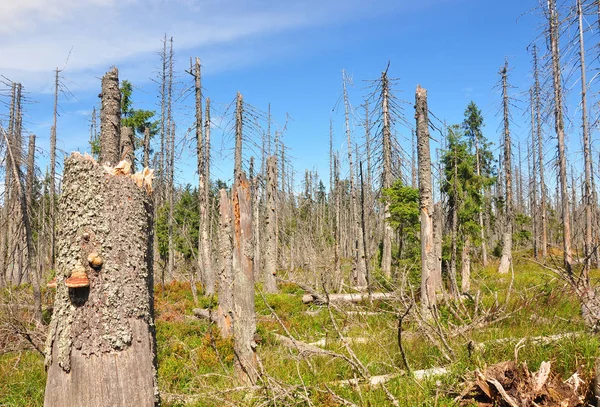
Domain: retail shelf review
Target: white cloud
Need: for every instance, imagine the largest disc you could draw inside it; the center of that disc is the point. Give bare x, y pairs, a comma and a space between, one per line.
38, 34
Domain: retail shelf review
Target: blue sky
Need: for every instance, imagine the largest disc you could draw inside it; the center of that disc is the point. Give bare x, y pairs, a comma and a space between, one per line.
287, 53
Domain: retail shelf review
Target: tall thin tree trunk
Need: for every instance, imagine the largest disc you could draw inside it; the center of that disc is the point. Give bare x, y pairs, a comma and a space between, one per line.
506, 258
53, 174
270, 270
146, 147
225, 287
560, 130
540, 152
110, 120
454, 230
35, 281
386, 257
465, 266
244, 326
534, 201
239, 114
587, 198
425, 202
359, 271
127, 148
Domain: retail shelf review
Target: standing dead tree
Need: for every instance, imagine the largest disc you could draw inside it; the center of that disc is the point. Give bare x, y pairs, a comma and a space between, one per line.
587, 199
506, 258
204, 257
355, 230
386, 259
244, 325
101, 344
559, 127
110, 118
428, 261
540, 153
225, 286
270, 269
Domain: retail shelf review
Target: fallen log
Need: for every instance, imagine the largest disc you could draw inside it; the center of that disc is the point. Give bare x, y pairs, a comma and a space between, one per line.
206, 314
537, 340
353, 297
382, 379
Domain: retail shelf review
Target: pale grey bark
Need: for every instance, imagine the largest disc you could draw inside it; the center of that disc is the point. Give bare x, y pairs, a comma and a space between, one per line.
356, 233
533, 175
386, 257
506, 258
239, 114
587, 198
559, 127
540, 152
225, 287
270, 270
428, 261
53, 173
146, 147
438, 228
110, 118
204, 258
127, 147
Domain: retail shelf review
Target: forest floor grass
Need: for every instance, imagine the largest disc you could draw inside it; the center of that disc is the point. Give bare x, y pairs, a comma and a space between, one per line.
196, 365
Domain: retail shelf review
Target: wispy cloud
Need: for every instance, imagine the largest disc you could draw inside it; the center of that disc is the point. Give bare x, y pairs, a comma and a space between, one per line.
38, 34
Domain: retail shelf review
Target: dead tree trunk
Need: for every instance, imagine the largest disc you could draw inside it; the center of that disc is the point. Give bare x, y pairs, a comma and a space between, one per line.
560, 130
244, 325
225, 308
454, 228
53, 174
438, 228
127, 148
533, 175
270, 270
386, 257
425, 202
101, 345
204, 259
465, 266
506, 259
540, 152
146, 147
35, 280
484, 258
110, 118
359, 271
239, 114
587, 199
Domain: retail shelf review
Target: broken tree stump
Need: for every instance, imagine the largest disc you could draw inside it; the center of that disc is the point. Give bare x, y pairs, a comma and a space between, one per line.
101, 348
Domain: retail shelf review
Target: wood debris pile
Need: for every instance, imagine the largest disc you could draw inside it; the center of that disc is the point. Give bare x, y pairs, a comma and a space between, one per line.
512, 385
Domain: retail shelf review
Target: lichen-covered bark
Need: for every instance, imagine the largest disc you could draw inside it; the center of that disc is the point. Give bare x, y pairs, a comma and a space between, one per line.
270, 269
110, 118
244, 326
127, 147
426, 201
101, 345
